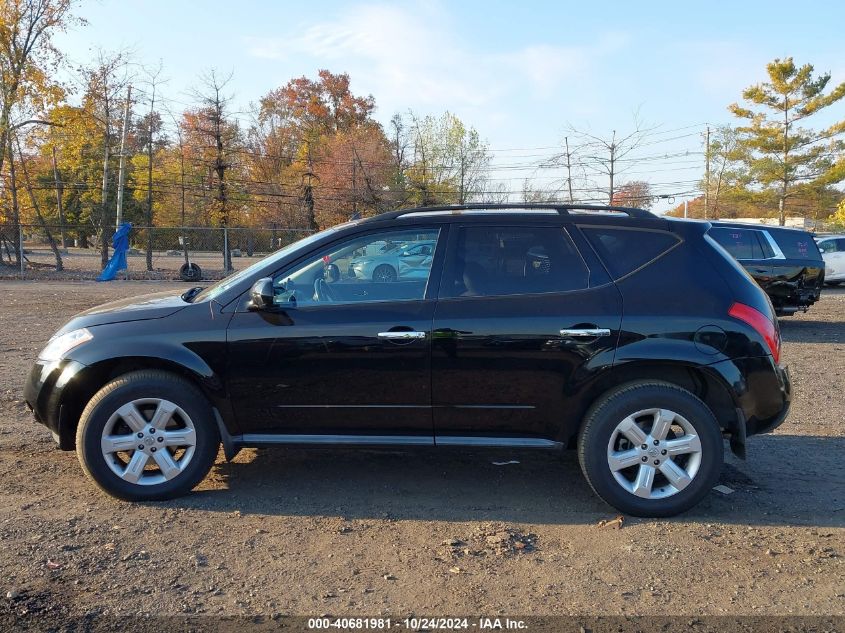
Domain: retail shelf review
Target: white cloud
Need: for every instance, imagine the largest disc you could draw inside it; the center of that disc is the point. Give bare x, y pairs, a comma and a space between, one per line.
416, 56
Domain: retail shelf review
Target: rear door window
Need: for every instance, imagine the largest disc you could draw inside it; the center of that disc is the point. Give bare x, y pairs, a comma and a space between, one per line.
624, 250
513, 260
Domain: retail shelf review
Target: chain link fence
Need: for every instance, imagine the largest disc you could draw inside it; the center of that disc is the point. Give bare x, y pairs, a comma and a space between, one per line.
167, 253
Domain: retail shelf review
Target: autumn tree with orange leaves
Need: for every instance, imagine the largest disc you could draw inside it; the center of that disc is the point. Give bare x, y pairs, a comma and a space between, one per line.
636, 193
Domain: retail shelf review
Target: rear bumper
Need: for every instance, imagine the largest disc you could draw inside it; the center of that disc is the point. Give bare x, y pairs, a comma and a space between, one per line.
796, 300
45, 393
762, 392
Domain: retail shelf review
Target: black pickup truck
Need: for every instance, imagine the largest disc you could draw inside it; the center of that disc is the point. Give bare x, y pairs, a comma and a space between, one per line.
785, 262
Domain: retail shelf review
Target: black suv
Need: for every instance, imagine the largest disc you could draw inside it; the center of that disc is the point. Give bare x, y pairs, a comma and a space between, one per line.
785, 262
637, 340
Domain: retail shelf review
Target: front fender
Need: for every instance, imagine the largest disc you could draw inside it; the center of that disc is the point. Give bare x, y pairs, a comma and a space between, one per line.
190, 343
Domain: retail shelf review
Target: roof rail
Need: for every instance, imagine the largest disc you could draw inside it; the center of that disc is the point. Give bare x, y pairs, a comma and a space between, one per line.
562, 209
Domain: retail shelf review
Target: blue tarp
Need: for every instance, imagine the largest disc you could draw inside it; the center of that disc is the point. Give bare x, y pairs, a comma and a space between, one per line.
120, 242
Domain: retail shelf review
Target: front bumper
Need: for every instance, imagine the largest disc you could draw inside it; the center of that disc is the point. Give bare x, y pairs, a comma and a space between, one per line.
46, 394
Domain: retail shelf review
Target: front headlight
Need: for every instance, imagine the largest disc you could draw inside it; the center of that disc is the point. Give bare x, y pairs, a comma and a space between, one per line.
60, 345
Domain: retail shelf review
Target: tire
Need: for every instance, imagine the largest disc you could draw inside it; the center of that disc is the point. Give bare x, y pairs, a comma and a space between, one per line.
385, 273
190, 272
110, 434
612, 461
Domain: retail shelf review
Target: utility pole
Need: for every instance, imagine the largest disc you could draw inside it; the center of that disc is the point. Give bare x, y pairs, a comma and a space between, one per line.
121, 173
59, 207
686, 208
568, 169
150, 181
706, 172
612, 171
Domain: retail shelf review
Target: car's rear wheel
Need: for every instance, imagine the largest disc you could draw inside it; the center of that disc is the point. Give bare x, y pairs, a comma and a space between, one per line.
651, 449
384, 272
147, 435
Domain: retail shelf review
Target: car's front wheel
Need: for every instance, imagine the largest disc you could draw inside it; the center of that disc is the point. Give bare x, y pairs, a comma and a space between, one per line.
147, 435
651, 449
384, 273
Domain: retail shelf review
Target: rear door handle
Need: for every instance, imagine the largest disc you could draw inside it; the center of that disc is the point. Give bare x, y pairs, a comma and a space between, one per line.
401, 336
585, 332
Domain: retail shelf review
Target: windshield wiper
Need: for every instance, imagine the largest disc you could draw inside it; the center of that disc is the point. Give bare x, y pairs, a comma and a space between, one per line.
190, 294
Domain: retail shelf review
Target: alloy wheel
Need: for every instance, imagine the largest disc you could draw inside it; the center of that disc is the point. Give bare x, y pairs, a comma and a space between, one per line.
654, 453
148, 441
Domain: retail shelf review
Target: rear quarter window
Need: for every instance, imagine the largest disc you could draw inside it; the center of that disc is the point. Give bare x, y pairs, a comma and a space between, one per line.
741, 243
624, 250
796, 244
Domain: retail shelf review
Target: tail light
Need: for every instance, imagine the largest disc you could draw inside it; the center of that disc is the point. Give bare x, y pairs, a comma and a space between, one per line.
761, 324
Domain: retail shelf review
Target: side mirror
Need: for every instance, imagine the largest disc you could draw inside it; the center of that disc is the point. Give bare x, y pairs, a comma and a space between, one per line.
262, 295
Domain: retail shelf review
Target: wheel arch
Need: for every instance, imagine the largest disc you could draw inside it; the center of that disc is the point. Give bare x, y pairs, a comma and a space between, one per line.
88, 381
702, 381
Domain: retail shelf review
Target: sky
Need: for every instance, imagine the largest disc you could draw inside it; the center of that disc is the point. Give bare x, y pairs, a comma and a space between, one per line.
521, 73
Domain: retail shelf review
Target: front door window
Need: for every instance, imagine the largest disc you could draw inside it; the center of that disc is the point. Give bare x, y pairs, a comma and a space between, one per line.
383, 266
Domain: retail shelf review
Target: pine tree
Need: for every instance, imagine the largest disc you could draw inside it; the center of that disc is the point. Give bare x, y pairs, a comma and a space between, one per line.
781, 156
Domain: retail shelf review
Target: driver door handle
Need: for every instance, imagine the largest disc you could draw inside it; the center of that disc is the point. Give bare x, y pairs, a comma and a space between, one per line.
401, 336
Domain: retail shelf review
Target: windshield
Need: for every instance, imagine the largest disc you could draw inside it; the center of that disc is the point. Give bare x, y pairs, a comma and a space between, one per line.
224, 284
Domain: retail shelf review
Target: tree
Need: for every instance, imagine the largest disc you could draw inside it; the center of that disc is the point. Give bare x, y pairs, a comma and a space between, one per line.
27, 54
606, 156
399, 142
105, 82
782, 157
27, 59
34, 202
301, 125
449, 161
223, 136
472, 161
838, 218
352, 169
636, 193
150, 129
78, 136
729, 178
533, 195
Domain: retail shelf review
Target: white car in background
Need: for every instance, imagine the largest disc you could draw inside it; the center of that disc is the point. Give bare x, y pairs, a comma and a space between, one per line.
833, 253
409, 260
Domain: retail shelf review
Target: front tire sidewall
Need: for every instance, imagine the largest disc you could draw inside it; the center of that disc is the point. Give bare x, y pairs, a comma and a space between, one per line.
133, 387
601, 422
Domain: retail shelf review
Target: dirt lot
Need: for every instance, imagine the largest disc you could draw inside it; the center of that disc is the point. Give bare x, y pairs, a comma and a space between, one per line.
429, 533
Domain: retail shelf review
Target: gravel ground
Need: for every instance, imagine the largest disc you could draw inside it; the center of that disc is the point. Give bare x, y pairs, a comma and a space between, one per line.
427, 533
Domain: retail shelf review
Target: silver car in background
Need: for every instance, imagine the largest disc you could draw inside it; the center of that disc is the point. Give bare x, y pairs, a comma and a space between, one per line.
410, 260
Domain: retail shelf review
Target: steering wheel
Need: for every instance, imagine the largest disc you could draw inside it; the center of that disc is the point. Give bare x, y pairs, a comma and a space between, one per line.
323, 291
